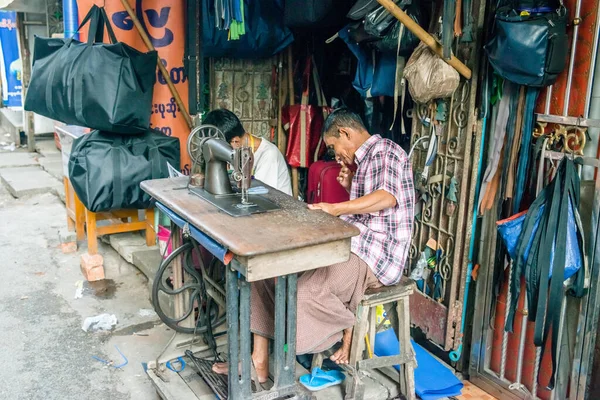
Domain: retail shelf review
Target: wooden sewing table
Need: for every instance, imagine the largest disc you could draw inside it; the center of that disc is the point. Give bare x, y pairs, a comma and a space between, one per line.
278, 244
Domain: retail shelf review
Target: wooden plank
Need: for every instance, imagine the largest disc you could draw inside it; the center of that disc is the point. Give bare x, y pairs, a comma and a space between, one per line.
426, 312
292, 261
174, 389
293, 226
387, 294
196, 383
120, 228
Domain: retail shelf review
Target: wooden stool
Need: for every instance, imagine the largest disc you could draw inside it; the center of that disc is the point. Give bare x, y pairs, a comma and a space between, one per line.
366, 321
84, 221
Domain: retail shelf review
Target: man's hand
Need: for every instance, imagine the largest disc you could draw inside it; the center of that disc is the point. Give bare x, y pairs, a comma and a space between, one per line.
345, 177
328, 208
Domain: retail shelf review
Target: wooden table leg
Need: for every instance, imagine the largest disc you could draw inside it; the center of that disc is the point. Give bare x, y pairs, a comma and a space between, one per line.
150, 228
68, 204
92, 239
79, 217
407, 370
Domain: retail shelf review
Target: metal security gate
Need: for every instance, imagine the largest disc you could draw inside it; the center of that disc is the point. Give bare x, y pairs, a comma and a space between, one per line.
507, 364
246, 88
437, 308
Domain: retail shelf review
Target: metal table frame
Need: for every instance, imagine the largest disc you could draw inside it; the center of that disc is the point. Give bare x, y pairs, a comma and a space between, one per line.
239, 335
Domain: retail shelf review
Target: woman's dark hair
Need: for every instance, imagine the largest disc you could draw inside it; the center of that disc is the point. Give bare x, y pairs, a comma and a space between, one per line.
227, 122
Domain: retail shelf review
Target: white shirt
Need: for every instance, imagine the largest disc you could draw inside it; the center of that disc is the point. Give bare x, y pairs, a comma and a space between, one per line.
270, 167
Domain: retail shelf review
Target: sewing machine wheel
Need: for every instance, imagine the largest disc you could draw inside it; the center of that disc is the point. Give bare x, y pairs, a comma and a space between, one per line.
197, 136
197, 300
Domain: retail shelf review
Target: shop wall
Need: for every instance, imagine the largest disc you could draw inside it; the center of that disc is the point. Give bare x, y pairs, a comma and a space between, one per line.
164, 21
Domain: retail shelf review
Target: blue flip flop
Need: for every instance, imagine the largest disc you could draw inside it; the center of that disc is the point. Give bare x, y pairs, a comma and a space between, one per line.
319, 379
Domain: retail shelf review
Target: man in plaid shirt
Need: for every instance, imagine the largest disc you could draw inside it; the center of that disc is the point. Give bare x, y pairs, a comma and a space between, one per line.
381, 206
381, 194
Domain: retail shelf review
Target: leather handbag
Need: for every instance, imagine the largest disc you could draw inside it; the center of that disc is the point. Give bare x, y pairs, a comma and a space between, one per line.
400, 40
105, 86
361, 8
529, 47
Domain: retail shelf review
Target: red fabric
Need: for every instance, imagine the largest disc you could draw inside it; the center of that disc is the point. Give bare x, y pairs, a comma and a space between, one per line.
305, 123
323, 186
313, 117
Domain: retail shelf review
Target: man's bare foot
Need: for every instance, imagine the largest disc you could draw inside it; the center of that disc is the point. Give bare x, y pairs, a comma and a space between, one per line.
262, 370
342, 355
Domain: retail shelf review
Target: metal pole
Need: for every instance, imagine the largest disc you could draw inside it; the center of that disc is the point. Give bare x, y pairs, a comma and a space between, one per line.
28, 122
504, 333
592, 82
572, 60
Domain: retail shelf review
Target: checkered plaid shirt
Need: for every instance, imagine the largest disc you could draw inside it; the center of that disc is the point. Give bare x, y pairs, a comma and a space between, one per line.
384, 239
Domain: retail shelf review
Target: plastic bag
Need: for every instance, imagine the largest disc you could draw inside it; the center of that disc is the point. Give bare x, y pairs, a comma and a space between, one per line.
510, 232
428, 76
418, 271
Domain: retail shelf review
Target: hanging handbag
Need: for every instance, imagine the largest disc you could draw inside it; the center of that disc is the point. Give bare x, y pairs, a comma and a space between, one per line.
529, 46
381, 30
361, 8
428, 76
398, 32
96, 85
375, 73
304, 122
265, 34
106, 169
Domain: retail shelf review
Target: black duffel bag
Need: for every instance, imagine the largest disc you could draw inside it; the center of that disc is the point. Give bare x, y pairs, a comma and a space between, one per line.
106, 169
100, 86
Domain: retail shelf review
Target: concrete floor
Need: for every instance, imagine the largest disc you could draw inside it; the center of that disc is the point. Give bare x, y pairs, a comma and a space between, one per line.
46, 353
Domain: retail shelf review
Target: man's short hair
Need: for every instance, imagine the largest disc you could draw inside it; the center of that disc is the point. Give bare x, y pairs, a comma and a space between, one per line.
342, 118
227, 122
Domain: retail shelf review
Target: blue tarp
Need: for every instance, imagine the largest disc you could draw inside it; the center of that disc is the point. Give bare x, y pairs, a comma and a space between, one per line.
432, 379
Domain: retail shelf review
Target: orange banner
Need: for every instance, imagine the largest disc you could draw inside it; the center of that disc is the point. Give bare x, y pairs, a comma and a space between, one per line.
164, 21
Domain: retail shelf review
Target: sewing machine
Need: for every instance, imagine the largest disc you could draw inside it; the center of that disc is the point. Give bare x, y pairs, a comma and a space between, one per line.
209, 150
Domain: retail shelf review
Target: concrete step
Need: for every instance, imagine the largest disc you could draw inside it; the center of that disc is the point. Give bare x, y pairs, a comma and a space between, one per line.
18, 159
26, 181
53, 165
126, 244
46, 147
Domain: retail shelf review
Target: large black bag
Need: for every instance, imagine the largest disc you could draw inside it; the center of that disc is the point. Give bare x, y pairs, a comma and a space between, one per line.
106, 169
100, 86
529, 48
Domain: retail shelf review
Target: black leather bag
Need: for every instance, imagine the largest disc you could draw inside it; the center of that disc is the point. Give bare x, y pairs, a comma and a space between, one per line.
106, 169
361, 8
399, 39
529, 48
96, 85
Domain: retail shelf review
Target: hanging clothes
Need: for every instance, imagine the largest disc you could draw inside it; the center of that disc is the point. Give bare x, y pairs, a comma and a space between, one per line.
498, 134
524, 163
